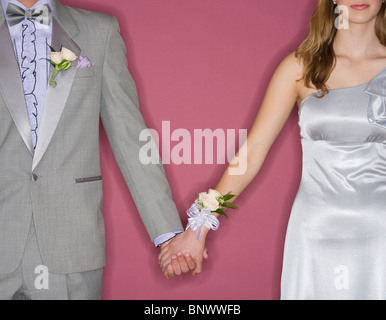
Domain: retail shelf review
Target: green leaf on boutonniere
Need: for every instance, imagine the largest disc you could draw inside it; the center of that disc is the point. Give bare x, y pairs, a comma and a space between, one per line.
65, 65
50, 62
52, 49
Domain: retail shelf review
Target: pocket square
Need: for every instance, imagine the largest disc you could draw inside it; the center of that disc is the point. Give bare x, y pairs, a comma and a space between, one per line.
83, 62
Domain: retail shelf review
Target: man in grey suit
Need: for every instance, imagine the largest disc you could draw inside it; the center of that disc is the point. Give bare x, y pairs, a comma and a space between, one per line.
51, 186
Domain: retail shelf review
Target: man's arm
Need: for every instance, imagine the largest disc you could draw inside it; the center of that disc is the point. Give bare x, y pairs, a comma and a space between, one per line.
123, 123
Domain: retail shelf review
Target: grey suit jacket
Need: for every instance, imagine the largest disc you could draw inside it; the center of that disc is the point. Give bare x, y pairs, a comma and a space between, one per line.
59, 183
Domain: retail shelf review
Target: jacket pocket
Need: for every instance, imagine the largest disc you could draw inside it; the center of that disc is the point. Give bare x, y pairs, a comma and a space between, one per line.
89, 179
85, 73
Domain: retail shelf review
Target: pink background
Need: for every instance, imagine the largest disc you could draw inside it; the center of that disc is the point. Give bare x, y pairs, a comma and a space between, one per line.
205, 64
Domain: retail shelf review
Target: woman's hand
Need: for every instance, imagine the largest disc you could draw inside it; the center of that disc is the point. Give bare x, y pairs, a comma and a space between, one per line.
182, 254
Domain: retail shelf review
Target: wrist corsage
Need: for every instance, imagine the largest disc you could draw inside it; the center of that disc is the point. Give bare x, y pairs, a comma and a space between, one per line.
200, 212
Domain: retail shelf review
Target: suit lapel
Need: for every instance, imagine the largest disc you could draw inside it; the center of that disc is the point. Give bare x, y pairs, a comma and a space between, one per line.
63, 29
11, 87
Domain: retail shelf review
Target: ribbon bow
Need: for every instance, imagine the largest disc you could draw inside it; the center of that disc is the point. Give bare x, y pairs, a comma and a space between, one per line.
376, 88
41, 14
199, 218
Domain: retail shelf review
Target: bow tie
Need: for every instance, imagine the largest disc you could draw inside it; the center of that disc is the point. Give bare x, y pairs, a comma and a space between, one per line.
41, 14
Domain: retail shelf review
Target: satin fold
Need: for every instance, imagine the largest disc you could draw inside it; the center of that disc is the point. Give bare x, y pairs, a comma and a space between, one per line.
376, 88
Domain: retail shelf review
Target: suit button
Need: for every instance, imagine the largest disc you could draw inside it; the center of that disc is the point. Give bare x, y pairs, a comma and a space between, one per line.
34, 178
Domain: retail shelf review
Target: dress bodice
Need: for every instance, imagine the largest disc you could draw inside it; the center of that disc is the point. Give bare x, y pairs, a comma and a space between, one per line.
354, 114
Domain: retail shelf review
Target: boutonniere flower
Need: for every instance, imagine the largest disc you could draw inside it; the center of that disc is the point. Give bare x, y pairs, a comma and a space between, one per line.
61, 60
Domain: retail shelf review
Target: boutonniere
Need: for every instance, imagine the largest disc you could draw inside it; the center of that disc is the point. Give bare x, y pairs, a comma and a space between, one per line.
63, 60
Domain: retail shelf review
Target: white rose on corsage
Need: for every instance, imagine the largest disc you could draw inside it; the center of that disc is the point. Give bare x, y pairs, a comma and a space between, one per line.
200, 212
215, 201
209, 200
61, 60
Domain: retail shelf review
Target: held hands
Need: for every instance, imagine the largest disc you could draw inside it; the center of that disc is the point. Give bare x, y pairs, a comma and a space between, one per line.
182, 254
187, 250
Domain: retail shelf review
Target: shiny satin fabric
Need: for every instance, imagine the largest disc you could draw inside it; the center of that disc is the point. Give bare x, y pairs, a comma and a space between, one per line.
335, 245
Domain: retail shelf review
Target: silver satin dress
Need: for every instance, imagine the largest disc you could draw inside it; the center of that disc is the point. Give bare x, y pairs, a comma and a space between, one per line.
336, 238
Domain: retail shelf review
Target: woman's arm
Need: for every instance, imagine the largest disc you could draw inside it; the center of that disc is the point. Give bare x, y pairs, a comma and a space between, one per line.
279, 100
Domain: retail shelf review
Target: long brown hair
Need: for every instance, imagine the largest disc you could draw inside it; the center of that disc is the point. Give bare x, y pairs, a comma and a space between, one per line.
317, 51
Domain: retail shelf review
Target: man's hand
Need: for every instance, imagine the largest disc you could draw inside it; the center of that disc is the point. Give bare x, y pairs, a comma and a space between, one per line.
182, 254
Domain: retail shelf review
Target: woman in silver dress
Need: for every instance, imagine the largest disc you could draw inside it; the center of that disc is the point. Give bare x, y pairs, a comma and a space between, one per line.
336, 239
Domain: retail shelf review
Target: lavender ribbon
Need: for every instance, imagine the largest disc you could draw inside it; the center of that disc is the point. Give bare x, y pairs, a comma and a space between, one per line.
199, 218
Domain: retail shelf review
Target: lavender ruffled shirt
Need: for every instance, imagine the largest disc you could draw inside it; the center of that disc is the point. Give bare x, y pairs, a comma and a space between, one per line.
30, 39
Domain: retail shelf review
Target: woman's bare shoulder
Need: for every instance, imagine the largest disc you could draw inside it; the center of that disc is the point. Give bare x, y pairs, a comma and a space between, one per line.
289, 74
291, 66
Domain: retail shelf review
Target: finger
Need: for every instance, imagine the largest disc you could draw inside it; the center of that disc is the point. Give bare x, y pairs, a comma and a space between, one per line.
176, 266
165, 273
205, 254
165, 263
182, 262
162, 253
198, 268
190, 261
170, 271
165, 259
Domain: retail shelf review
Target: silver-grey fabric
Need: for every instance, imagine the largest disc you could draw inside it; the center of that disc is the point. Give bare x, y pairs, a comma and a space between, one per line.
59, 184
15, 14
29, 282
336, 239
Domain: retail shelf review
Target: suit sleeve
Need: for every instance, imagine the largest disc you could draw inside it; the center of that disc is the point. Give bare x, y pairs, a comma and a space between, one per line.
123, 123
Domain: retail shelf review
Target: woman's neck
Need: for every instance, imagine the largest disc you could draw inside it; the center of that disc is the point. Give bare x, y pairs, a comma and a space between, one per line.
357, 42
